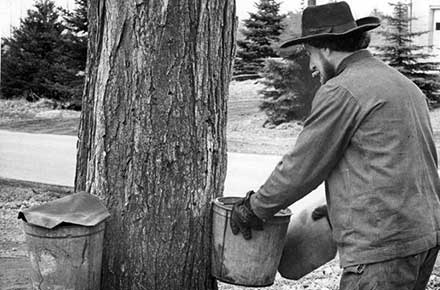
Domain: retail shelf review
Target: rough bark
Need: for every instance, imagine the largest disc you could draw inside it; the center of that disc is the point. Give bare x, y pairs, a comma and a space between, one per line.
152, 135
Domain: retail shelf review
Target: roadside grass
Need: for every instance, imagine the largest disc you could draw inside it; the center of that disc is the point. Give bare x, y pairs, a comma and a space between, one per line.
245, 132
58, 126
39, 117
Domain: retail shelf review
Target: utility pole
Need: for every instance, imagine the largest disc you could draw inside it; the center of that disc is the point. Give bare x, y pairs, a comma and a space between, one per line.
410, 15
1, 52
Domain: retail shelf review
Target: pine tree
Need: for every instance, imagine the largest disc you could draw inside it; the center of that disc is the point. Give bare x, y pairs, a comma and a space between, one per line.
291, 26
289, 88
412, 60
76, 23
35, 58
262, 30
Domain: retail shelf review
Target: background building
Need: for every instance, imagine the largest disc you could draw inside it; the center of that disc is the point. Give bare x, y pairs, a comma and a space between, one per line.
427, 13
426, 18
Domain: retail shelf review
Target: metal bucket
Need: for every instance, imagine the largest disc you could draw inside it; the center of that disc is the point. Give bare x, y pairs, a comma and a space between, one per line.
243, 262
309, 243
66, 257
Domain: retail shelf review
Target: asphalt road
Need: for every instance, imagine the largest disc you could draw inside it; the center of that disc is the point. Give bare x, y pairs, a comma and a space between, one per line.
51, 159
38, 157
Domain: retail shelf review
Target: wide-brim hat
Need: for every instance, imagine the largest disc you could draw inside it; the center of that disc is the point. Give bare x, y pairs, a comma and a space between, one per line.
330, 20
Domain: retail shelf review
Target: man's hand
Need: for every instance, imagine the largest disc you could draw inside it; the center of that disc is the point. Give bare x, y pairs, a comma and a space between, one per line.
243, 219
321, 212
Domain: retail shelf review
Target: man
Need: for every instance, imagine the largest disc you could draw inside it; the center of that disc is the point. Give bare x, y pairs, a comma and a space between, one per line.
369, 138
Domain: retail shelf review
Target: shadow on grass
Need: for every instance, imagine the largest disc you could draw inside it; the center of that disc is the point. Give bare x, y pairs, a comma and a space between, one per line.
44, 126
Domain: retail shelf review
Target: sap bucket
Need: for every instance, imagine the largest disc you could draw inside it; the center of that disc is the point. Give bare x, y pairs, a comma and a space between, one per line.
64, 239
253, 262
309, 243
67, 257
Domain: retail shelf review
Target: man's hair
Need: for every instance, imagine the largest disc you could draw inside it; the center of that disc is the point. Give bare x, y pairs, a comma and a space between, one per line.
350, 43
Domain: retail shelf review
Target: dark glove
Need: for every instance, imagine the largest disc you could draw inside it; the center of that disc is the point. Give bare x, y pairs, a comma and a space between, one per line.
321, 212
243, 219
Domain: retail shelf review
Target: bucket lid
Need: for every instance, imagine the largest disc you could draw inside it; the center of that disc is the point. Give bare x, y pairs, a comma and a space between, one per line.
79, 208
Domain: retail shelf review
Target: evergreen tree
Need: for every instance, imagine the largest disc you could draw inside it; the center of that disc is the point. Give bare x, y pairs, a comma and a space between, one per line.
291, 26
35, 59
76, 43
77, 21
262, 30
377, 39
289, 88
399, 51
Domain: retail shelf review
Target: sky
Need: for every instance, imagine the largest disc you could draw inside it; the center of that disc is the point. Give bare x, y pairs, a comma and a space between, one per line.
360, 8
12, 10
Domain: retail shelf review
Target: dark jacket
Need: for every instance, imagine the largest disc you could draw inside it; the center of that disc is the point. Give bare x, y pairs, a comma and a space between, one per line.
370, 139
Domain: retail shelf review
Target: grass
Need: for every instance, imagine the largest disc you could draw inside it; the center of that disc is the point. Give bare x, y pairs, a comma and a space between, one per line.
39, 117
245, 132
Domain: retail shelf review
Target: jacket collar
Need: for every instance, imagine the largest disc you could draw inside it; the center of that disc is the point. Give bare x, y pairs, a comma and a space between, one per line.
352, 58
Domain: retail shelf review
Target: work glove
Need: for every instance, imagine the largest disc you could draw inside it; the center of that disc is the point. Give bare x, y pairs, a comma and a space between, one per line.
321, 212
243, 219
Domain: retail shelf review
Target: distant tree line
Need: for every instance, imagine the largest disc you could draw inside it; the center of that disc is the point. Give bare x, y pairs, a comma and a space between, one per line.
45, 56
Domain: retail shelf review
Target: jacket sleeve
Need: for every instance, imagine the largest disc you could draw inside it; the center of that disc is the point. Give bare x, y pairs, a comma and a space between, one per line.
318, 149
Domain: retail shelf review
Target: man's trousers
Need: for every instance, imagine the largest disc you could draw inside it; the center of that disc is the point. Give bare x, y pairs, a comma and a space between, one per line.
408, 273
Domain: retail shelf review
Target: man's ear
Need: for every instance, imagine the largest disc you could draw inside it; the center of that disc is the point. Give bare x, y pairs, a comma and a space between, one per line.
327, 52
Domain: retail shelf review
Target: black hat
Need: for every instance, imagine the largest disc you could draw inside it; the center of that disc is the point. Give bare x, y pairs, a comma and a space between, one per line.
330, 20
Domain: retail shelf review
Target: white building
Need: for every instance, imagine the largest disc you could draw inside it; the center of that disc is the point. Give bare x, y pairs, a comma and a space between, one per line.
427, 14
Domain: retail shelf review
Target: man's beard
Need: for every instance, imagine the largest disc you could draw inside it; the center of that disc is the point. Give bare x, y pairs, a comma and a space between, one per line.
328, 71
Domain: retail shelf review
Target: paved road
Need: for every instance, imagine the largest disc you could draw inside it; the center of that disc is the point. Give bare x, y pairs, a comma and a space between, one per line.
38, 157
50, 159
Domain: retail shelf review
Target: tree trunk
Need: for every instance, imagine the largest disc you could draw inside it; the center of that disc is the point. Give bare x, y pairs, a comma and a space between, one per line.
152, 135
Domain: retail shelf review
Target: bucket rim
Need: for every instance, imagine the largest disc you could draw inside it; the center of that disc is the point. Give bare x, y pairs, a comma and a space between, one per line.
219, 202
30, 229
230, 281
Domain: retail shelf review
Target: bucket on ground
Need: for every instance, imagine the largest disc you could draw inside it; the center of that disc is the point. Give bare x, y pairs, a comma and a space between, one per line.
243, 262
66, 257
64, 240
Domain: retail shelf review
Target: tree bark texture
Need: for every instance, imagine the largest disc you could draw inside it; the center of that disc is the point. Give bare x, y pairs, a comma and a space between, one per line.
152, 138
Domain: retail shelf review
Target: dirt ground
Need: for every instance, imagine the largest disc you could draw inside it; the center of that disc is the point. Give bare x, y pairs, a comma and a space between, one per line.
15, 267
245, 134
14, 196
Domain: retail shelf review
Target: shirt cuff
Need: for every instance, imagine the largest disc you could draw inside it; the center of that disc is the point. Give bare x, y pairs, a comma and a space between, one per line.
258, 208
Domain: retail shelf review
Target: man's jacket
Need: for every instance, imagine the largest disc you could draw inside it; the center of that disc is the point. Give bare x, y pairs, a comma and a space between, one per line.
370, 139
